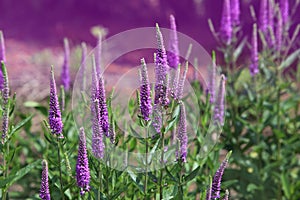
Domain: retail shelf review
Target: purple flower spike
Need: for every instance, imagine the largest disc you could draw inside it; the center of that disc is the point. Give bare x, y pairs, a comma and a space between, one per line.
284, 9
145, 98
226, 197
55, 121
182, 134
2, 48
103, 107
97, 136
271, 10
216, 183
175, 83
44, 191
65, 74
161, 69
5, 97
112, 131
209, 190
173, 54
254, 53
180, 87
97, 132
279, 31
220, 103
98, 54
83, 65
2, 58
235, 12
263, 16
212, 79
270, 37
208, 194
82, 165
157, 117
226, 26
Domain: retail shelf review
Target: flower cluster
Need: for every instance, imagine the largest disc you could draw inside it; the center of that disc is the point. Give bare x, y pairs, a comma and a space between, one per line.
82, 166
2, 58
97, 135
180, 85
65, 73
44, 191
98, 53
82, 72
254, 53
213, 191
145, 98
182, 134
103, 107
161, 70
173, 53
268, 16
226, 23
5, 97
220, 103
216, 183
211, 81
235, 12
55, 120
263, 16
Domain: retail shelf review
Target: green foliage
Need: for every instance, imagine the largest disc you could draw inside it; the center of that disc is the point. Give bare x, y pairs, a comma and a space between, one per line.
261, 129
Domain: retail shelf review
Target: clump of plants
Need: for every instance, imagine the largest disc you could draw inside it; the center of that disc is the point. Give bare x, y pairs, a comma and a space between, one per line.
253, 106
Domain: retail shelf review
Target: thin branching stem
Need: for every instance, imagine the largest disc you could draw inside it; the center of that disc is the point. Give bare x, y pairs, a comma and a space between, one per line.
162, 169
60, 170
146, 165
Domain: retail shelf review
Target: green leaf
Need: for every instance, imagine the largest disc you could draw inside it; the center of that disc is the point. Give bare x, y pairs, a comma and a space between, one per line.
31, 104
37, 106
173, 178
136, 180
285, 185
192, 175
170, 192
11, 179
135, 134
152, 152
170, 124
290, 59
120, 191
20, 125
243, 76
249, 92
237, 52
176, 111
12, 154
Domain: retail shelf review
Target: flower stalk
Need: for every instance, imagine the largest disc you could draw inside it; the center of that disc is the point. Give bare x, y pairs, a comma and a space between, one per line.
44, 191
65, 73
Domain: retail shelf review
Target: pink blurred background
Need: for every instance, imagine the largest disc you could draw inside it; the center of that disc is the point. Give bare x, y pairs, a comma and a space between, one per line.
34, 29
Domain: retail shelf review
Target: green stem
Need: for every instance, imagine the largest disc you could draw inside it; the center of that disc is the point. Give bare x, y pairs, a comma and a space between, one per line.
180, 181
278, 126
60, 171
146, 167
6, 172
107, 182
100, 185
162, 169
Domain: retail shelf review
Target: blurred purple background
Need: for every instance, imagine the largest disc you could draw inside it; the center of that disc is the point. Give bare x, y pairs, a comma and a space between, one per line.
31, 26
46, 22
